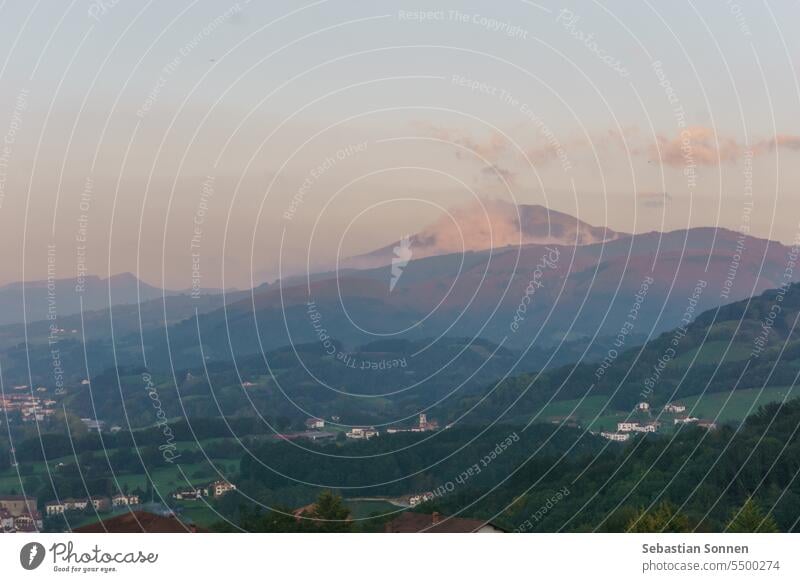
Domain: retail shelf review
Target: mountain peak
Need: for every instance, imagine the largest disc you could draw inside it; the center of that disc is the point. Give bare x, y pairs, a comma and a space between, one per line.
483, 225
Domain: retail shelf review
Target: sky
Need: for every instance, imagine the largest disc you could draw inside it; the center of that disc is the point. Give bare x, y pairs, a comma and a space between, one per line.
237, 142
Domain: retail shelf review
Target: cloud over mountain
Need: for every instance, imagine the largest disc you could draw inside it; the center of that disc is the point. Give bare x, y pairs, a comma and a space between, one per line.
492, 224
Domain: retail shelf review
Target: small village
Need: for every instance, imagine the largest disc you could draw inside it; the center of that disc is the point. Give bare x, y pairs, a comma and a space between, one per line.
673, 410
19, 513
423, 425
27, 405
98, 503
315, 430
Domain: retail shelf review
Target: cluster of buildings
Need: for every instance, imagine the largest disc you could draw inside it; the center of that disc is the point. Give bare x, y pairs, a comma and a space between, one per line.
362, 433
424, 425
98, 503
317, 424
18, 513
636, 426
215, 489
31, 408
366, 433
627, 427
314, 430
619, 437
677, 408
706, 424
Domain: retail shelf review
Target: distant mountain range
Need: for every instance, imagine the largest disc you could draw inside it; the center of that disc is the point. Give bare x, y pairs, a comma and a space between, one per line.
35, 300
542, 293
558, 294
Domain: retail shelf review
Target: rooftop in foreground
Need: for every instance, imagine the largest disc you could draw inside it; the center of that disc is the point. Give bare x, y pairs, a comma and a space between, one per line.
139, 522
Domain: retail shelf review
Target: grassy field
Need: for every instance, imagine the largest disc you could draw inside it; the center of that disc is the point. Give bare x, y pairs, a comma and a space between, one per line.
584, 412
165, 479
723, 406
736, 406
198, 512
713, 352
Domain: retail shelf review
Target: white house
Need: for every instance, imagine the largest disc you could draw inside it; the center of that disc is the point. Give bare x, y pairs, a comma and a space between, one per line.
675, 408
54, 508
75, 504
361, 433
643, 406
615, 436
121, 500
647, 427
313, 423
628, 426
28, 522
189, 494
686, 420
221, 488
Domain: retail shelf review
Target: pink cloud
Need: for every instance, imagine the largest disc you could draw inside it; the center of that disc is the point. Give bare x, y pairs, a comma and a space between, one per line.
781, 140
697, 145
703, 146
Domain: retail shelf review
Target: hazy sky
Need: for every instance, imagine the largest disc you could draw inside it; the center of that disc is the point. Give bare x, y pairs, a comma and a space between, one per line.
261, 135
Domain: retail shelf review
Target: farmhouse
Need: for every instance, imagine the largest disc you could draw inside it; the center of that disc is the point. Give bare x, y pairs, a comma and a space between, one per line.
362, 433
616, 436
190, 494
53, 508
647, 427
75, 504
675, 408
314, 423
220, 488
120, 500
